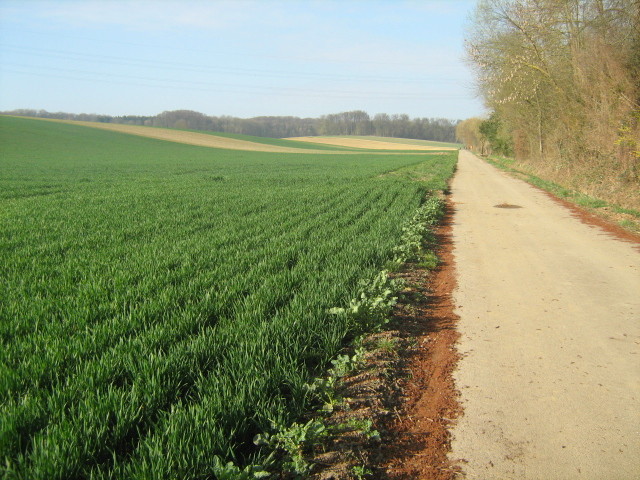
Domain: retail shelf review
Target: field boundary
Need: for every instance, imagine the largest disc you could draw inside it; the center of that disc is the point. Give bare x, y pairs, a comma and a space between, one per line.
212, 140
622, 222
359, 142
404, 383
186, 137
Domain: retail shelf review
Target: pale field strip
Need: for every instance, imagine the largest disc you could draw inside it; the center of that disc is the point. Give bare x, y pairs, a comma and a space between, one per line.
395, 144
215, 141
190, 138
405, 141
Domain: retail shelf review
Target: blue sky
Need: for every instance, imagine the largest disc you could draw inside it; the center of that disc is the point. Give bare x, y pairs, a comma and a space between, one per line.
239, 58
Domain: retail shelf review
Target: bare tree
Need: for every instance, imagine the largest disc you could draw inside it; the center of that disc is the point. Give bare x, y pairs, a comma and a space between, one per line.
563, 77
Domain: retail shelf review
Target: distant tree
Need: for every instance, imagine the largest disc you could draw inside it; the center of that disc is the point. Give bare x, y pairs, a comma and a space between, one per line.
354, 122
493, 132
381, 125
468, 133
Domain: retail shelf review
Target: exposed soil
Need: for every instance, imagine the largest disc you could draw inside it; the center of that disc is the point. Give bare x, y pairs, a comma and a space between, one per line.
410, 394
603, 221
407, 391
549, 336
366, 395
190, 138
361, 143
215, 141
416, 439
606, 217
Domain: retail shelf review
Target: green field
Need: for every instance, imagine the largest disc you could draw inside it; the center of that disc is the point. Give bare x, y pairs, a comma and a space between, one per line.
162, 303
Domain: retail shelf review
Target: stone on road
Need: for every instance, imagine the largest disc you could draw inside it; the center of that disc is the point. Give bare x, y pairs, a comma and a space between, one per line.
550, 336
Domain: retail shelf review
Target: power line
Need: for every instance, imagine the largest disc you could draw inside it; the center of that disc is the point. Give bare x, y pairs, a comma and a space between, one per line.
114, 60
219, 54
284, 91
192, 83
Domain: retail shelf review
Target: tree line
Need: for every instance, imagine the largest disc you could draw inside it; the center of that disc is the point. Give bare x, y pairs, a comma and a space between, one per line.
355, 122
561, 79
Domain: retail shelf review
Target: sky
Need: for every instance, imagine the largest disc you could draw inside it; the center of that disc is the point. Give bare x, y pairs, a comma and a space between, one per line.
241, 58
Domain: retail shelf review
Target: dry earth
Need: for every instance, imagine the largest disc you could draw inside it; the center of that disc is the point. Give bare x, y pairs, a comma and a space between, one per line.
215, 141
361, 143
406, 141
416, 438
192, 138
550, 336
406, 387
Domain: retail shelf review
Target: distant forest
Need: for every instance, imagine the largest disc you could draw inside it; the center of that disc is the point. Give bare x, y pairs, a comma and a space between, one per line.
355, 122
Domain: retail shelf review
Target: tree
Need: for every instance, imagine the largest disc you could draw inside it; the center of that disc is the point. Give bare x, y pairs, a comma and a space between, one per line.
492, 131
468, 133
562, 77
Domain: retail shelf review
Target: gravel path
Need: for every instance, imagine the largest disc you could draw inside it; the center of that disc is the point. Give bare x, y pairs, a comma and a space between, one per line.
550, 336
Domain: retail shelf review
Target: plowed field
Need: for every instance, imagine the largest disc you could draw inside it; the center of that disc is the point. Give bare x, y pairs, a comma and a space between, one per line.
370, 144
192, 138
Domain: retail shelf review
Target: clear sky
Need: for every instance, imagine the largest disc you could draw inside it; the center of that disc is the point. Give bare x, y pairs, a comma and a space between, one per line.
240, 58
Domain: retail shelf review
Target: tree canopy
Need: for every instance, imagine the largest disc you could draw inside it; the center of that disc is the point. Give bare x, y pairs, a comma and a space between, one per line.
562, 78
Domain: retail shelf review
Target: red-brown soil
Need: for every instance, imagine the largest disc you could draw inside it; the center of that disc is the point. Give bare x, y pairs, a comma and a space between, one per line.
407, 391
592, 219
415, 442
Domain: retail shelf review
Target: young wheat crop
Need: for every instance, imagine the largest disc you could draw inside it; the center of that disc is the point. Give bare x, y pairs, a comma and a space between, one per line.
161, 304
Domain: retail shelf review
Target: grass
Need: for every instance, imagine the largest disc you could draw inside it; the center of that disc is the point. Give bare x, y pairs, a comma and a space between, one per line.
162, 303
430, 261
388, 345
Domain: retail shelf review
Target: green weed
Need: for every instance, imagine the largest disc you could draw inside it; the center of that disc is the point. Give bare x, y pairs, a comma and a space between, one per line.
429, 260
360, 471
387, 345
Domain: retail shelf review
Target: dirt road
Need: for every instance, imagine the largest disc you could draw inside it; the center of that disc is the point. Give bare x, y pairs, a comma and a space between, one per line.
550, 337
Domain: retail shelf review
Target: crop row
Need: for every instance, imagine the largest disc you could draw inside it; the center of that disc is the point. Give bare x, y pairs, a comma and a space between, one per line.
161, 304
